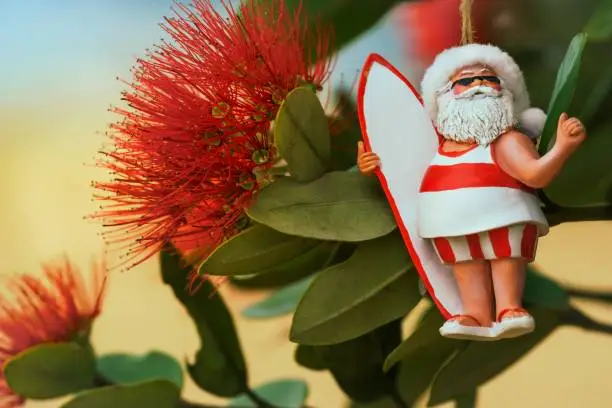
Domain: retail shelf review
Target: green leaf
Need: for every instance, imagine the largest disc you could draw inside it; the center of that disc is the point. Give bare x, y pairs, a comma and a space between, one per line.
423, 336
357, 364
344, 142
308, 357
482, 361
123, 368
599, 27
565, 85
279, 303
373, 287
301, 133
339, 206
280, 393
219, 366
422, 356
50, 370
543, 292
286, 299
255, 250
388, 338
377, 287
151, 394
289, 272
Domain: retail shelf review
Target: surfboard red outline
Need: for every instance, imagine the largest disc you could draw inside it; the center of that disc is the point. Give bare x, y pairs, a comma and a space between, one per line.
370, 61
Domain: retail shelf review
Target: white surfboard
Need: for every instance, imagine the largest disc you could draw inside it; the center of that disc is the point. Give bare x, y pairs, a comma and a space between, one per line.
396, 126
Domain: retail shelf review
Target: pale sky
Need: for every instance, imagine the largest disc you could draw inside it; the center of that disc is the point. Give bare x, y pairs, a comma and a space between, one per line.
76, 48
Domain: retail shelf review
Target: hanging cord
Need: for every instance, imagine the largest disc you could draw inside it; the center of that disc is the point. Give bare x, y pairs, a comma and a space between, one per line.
467, 31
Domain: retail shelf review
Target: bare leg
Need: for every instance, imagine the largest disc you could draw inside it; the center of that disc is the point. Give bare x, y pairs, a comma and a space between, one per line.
509, 282
474, 282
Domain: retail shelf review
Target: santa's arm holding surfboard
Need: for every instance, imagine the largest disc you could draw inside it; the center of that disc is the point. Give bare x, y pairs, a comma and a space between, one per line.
476, 204
367, 162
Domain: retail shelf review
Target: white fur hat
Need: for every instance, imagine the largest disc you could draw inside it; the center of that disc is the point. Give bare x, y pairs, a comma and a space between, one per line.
449, 61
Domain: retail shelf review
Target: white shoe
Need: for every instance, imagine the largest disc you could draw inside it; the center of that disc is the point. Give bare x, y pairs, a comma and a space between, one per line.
515, 326
452, 329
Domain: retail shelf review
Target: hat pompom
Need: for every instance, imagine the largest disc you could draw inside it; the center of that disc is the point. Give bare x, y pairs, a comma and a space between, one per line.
532, 121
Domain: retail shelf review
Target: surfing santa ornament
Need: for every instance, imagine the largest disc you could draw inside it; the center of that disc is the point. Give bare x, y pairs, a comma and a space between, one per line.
460, 170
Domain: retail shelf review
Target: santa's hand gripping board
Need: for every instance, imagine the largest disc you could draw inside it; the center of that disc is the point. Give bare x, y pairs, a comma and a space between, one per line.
396, 126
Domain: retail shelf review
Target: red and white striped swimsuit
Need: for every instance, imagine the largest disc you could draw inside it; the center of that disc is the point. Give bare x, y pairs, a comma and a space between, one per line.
471, 209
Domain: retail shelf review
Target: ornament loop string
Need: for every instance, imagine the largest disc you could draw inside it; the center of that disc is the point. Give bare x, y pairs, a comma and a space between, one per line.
467, 31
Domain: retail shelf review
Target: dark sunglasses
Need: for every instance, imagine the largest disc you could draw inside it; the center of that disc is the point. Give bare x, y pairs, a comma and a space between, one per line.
485, 78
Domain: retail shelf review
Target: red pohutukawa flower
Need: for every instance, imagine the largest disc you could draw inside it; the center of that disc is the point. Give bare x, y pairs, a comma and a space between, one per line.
55, 307
264, 46
194, 144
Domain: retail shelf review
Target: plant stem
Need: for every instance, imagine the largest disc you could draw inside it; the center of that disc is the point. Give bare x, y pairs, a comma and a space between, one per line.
260, 402
590, 294
575, 214
101, 381
575, 317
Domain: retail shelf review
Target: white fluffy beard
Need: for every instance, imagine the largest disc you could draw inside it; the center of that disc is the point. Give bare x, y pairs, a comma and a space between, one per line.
480, 114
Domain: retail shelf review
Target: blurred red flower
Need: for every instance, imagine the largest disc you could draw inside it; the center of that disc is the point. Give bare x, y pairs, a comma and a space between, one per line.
432, 26
194, 145
55, 307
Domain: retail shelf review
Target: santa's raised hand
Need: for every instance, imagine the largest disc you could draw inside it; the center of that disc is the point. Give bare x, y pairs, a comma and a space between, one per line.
570, 133
367, 162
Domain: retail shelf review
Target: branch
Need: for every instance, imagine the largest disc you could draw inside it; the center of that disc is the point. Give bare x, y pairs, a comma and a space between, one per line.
577, 214
576, 318
101, 381
589, 294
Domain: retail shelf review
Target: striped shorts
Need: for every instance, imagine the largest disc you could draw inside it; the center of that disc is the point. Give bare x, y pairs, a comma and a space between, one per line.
514, 241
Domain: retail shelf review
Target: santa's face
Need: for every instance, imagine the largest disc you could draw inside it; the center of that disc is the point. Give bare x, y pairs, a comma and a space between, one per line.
473, 77
474, 107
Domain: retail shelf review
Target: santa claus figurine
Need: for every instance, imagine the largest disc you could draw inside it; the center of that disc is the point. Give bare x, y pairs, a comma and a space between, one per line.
477, 202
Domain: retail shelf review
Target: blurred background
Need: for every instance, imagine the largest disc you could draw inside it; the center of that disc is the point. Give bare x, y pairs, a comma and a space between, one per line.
58, 67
